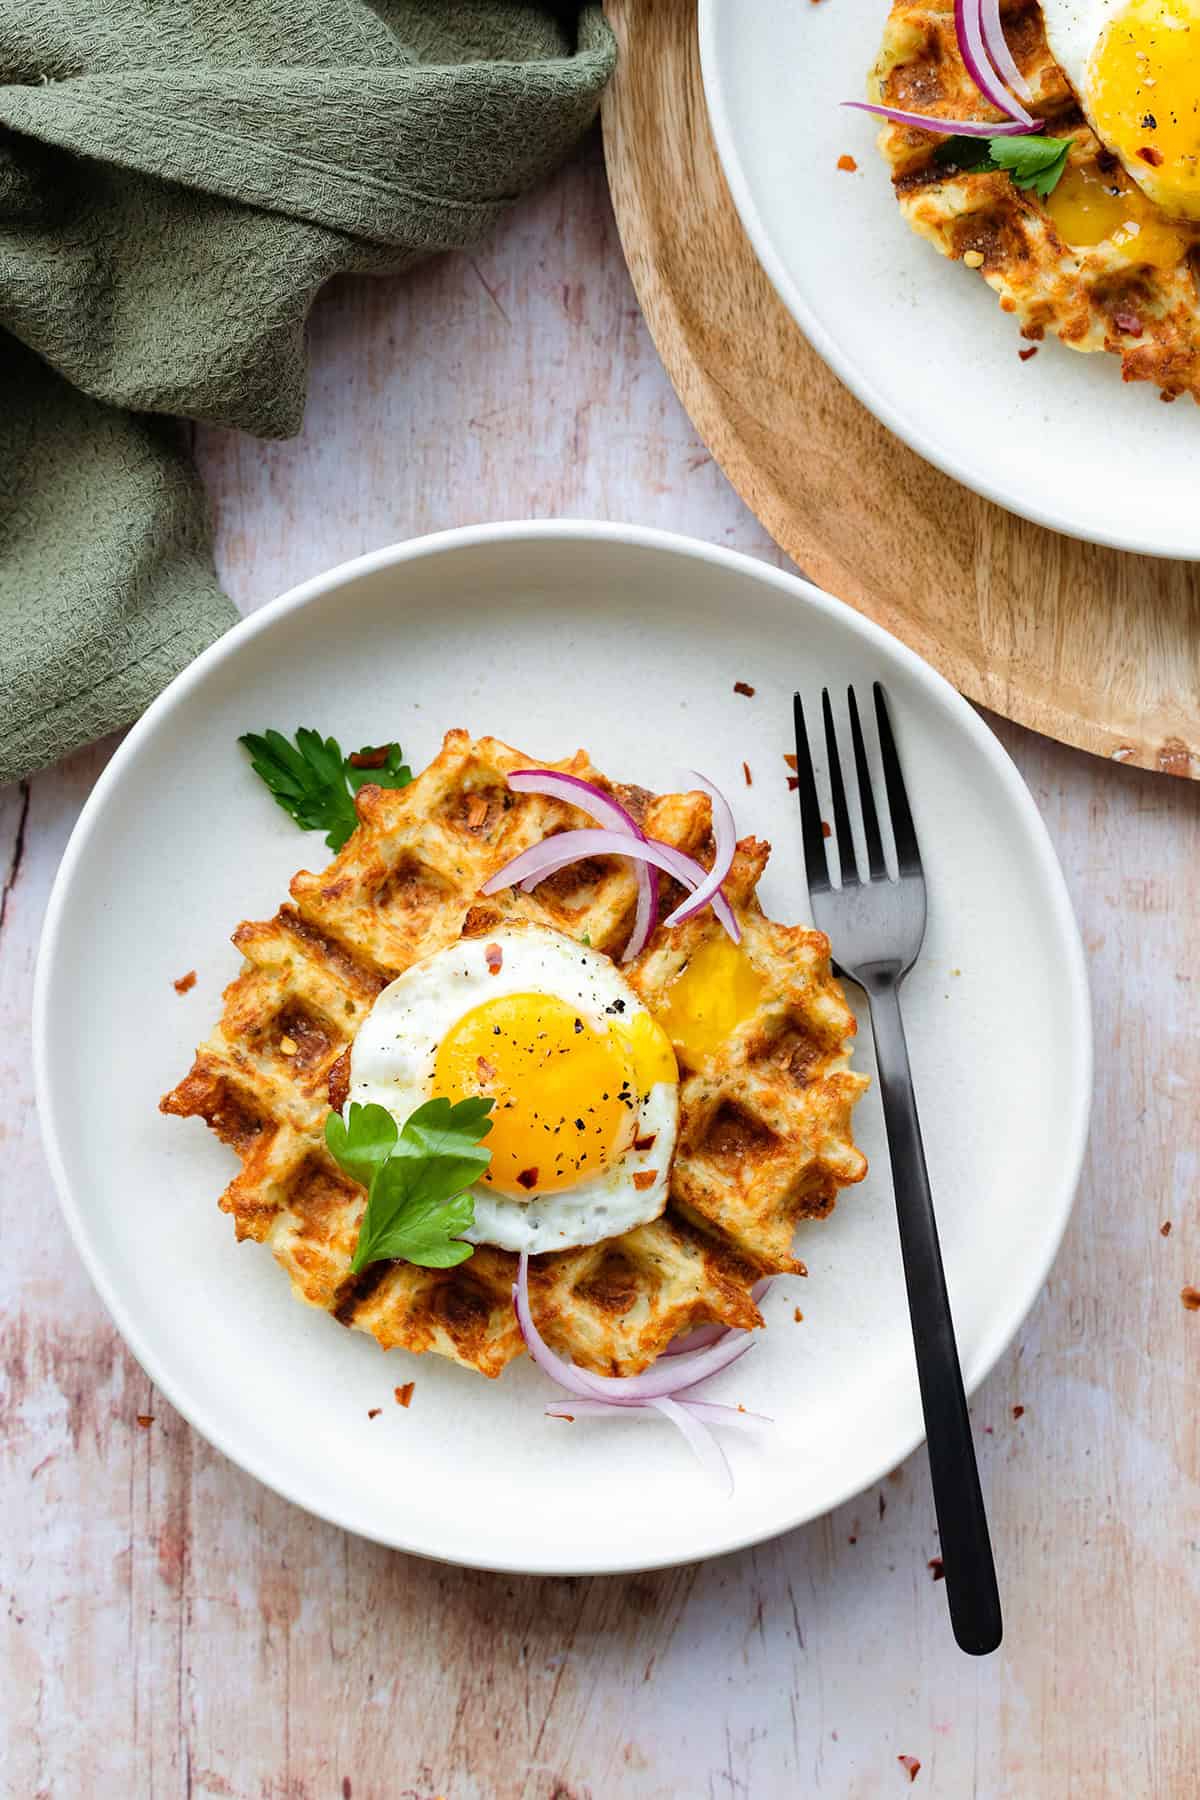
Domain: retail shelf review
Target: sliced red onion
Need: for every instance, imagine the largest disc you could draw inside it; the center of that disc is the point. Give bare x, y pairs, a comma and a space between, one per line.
968, 24
708, 1334
725, 842
695, 1340
979, 128
996, 45
691, 873
712, 1412
554, 853
588, 798
709, 1411
701, 1442
676, 1377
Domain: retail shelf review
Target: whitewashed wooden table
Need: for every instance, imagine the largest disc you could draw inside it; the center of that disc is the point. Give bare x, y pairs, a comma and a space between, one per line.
172, 1629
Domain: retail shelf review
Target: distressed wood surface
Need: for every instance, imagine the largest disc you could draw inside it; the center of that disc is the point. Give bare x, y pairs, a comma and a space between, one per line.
171, 1629
1095, 647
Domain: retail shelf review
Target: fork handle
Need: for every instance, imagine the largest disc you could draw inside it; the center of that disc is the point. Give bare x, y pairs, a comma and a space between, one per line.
970, 1571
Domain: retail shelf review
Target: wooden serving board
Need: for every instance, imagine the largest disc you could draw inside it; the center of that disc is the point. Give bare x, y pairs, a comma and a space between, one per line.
1091, 646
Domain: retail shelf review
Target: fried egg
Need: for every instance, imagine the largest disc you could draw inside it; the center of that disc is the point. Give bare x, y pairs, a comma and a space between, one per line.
583, 1081
1135, 69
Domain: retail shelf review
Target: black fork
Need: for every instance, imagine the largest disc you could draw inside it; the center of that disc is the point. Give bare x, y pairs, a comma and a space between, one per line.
876, 927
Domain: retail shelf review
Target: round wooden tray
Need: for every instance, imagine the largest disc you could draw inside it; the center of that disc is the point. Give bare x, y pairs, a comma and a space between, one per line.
1094, 647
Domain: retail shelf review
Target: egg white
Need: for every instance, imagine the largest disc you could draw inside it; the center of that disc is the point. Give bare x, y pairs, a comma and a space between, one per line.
392, 1065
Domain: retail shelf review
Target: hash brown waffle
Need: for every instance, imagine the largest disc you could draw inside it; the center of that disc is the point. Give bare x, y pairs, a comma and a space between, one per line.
764, 1136
1106, 296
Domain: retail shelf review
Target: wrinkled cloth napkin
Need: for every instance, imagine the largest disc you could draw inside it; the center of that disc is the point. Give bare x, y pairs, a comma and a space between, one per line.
178, 178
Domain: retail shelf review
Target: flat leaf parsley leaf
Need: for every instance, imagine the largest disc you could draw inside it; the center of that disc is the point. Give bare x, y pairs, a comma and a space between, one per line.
416, 1178
1034, 162
316, 784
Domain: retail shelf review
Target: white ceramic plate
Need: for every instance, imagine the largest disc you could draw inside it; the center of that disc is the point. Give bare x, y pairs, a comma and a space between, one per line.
920, 340
550, 635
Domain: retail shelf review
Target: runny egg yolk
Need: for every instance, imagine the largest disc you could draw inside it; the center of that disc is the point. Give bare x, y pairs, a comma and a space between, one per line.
1143, 98
1088, 210
718, 990
566, 1095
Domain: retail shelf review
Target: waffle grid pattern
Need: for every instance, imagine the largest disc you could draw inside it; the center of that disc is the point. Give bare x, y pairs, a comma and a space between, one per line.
765, 1133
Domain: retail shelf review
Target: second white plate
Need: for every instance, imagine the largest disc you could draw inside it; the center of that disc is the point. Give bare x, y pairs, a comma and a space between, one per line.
920, 340
630, 643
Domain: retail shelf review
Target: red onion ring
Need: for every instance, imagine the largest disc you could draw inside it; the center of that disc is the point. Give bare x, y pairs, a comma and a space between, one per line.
588, 798
996, 45
655, 1384
725, 843
968, 25
701, 1442
979, 128
554, 853
710, 1411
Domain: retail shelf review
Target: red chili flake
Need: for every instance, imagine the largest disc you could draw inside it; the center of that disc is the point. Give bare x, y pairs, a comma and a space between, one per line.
989, 1431
743, 687
852, 1540
847, 164
404, 1394
647, 1142
826, 828
185, 983
373, 1412
937, 1568
1128, 322
1191, 1298
790, 759
747, 774
484, 1069
527, 1178
145, 1420
798, 1316
645, 1178
1149, 153
793, 783
1018, 1412
493, 956
1164, 1229
371, 757
1026, 354
569, 1418
800, 1269
912, 1764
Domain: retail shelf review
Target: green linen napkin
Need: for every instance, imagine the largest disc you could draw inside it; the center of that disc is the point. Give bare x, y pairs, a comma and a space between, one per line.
178, 179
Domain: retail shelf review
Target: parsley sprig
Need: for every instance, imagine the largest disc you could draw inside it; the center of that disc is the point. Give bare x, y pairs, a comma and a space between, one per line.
416, 1178
316, 784
1035, 163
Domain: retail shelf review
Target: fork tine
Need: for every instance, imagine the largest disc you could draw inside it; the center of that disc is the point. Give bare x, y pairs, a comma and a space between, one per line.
876, 861
841, 812
908, 854
816, 863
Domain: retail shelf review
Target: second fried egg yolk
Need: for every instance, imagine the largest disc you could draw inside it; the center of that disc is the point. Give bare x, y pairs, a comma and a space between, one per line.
718, 990
566, 1095
1143, 98
1087, 210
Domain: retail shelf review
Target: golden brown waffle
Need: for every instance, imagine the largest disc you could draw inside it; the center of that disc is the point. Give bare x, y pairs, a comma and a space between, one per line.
765, 1136
1103, 297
